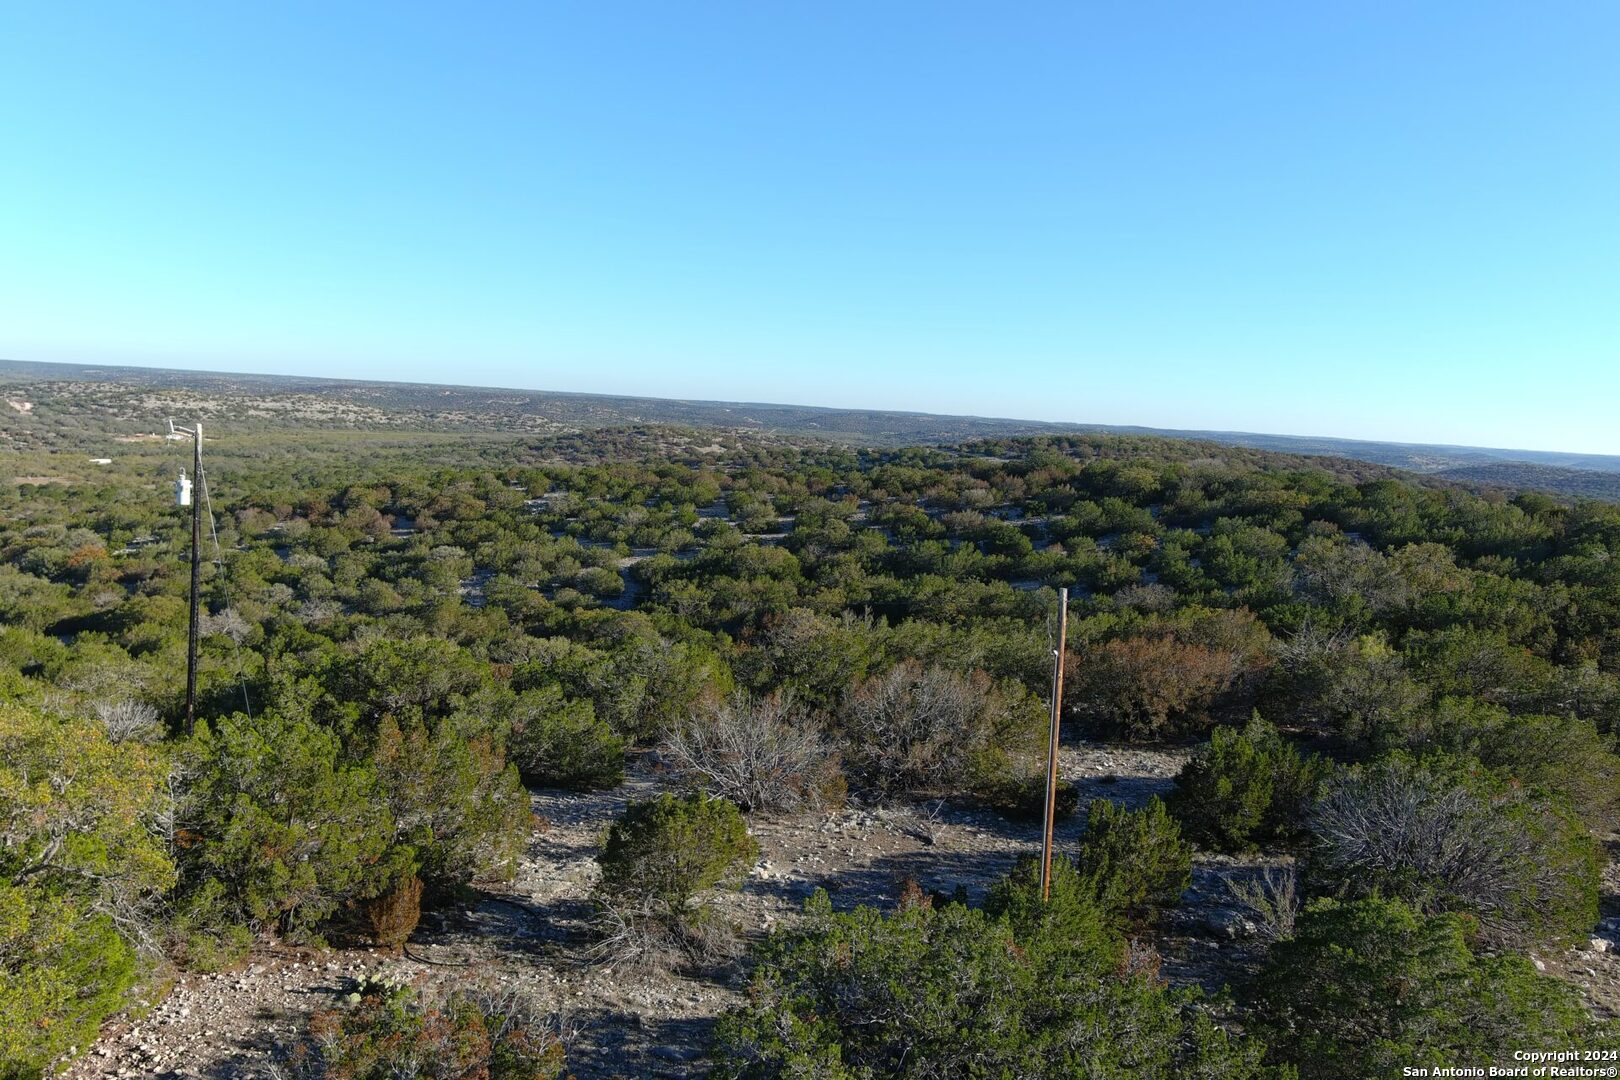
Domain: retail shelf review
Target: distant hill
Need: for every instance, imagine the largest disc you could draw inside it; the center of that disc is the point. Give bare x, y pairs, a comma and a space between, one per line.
254, 401
134, 400
1416, 457
1523, 476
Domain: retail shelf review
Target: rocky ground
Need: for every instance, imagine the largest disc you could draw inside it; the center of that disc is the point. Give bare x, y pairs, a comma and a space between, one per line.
1595, 965
623, 1022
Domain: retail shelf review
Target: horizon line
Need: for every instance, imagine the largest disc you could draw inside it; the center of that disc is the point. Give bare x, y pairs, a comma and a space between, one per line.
1060, 425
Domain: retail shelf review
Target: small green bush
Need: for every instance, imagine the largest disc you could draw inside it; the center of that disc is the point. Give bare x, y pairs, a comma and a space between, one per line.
202, 929
558, 741
1024, 798
1245, 788
392, 1032
1367, 987
658, 857
457, 805
1070, 924
284, 831
1565, 755
1135, 860
951, 991
670, 848
79, 817
62, 973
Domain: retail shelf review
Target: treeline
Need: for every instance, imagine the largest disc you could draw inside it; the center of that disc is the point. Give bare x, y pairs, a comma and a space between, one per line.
388, 660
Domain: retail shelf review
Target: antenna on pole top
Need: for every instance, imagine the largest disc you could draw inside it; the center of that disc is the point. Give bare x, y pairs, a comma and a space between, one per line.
1052, 747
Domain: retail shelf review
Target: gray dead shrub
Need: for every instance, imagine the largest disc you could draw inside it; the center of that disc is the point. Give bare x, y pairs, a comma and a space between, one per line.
764, 754
1443, 838
127, 720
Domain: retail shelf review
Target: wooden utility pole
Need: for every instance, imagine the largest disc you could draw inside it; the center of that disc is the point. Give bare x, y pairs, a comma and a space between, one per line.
1052, 747
195, 495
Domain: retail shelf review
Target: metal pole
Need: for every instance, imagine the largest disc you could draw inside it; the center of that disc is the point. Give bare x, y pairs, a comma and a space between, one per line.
1052, 748
196, 578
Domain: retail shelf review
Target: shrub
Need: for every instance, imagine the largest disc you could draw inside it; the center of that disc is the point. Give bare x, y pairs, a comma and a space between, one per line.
926, 730
819, 657
1350, 575
62, 973
1467, 661
392, 1032
1272, 899
1152, 686
638, 689
393, 675
1565, 755
391, 916
950, 991
456, 805
1446, 837
658, 856
762, 754
558, 741
648, 933
291, 826
672, 848
80, 872
127, 720
1367, 987
1023, 797
1357, 687
1070, 924
1245, 787
203, 932
286, 830
1135, 860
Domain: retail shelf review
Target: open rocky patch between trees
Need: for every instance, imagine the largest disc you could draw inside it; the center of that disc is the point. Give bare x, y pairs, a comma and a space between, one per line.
629, 1022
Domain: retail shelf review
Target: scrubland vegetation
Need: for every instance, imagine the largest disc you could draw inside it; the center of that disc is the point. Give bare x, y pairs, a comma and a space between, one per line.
1411, 690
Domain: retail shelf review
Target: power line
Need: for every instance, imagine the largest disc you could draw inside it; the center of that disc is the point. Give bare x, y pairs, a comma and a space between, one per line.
224, 588
1054, 743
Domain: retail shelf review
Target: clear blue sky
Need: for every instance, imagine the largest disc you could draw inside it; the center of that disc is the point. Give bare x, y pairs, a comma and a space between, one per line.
1383, 220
